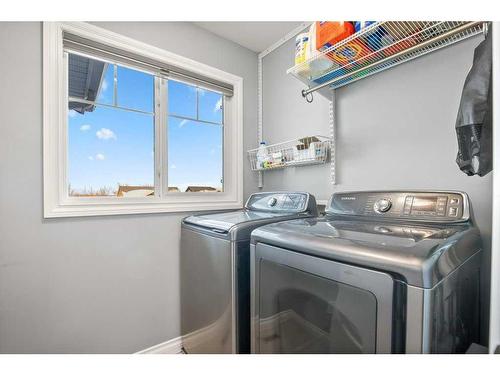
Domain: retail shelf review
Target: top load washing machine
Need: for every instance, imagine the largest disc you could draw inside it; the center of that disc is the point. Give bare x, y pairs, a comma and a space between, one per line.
215, 270
382, 272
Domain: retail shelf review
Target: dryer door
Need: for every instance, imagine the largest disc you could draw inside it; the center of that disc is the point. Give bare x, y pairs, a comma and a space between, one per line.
305, 304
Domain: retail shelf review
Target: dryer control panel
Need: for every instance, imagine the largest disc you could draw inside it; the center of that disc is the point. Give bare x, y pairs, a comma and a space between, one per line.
411, 205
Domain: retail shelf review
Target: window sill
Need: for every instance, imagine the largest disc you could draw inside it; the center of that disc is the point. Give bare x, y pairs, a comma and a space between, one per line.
129, 208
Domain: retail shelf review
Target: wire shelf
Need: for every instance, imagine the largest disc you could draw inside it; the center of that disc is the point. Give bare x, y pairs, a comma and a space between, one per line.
294, 153
378, 47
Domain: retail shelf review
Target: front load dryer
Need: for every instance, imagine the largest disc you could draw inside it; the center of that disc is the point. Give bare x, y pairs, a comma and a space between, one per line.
382, 272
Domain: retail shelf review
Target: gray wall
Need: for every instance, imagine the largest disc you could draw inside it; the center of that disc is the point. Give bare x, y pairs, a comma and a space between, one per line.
111, 284
395, 130
89, 285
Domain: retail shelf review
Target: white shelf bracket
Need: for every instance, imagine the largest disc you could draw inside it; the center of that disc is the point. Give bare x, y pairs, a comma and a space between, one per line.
333, 137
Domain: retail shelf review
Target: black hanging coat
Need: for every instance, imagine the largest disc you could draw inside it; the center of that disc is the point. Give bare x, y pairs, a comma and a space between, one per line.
474, 120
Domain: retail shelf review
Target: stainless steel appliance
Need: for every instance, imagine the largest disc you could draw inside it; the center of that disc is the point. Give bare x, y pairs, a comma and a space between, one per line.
382, 272
215, 270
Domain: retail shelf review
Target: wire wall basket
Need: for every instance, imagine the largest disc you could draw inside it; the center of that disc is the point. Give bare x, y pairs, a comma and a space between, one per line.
378, 47
298, 152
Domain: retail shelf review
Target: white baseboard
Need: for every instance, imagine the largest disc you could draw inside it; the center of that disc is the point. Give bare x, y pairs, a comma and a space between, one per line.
173, 346
199, 341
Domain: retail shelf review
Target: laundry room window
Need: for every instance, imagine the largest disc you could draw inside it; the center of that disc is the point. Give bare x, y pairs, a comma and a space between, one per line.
133, 130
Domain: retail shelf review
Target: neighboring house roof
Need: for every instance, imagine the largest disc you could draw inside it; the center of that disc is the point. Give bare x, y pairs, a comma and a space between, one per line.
135, 191
173, 189
194, 189
85, 77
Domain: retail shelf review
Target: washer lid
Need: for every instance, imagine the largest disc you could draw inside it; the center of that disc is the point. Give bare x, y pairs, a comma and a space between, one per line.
226, 220
421, 254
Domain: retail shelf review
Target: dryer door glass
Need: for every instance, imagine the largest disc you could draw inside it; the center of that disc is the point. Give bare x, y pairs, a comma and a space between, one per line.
306, 304
304, 313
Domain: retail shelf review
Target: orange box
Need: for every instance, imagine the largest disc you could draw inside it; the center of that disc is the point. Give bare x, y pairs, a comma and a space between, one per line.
328, 33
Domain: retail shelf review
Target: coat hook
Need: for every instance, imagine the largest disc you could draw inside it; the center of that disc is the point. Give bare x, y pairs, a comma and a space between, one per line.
308, 96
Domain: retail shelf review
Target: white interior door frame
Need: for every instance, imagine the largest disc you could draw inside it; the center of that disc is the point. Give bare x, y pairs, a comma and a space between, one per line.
494, 339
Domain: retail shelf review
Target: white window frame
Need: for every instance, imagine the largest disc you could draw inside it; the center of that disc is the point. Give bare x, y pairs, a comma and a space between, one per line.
57, 203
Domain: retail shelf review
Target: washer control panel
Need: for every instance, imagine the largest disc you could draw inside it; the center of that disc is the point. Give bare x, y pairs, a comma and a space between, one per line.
280, 202
421, 206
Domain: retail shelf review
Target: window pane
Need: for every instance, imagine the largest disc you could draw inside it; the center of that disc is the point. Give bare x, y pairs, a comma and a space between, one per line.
110, 153
194, 156
135, 89
210, 106
106, 91
181, 99
90, 80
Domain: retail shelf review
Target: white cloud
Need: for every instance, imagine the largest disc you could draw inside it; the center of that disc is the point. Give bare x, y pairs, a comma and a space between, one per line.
218, 105
85, 127
183, 122
104, 85
96, 157
72, 113
105, 133
173, 166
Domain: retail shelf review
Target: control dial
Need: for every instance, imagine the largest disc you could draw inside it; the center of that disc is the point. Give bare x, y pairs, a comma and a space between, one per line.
382, 205
272, 202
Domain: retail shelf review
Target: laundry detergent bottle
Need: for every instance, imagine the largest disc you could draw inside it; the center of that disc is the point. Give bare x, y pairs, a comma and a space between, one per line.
262, 155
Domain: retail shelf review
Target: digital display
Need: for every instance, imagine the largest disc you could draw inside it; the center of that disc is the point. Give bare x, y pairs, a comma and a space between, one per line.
424, 204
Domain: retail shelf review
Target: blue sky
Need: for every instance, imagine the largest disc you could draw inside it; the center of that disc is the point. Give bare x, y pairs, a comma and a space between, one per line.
110, 146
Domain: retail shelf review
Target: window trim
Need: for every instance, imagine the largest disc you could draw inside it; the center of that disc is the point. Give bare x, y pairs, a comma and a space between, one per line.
56, 201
